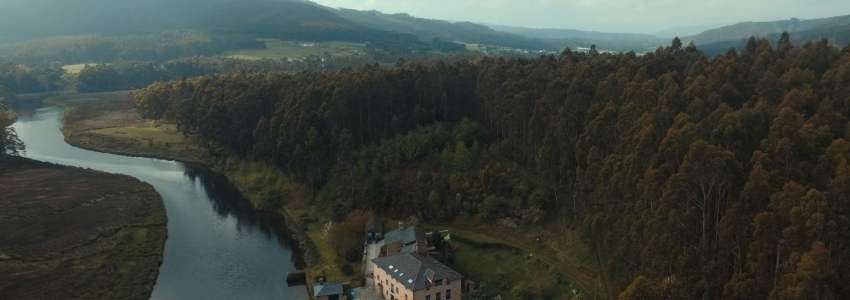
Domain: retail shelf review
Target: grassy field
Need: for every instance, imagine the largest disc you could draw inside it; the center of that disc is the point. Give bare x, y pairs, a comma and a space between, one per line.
502, 259
277, 49
74, 69
70, 233
106, 122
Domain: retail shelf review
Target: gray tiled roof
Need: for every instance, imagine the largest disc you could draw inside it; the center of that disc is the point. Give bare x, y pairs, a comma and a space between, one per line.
407, 235
327, 289
414, 267
409, 248
374, 225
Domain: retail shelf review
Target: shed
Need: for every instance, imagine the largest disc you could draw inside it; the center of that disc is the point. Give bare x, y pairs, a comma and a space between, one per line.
374, 229
328, 291
469, 285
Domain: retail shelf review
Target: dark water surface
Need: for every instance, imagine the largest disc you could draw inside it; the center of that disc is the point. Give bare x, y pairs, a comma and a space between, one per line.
217, 246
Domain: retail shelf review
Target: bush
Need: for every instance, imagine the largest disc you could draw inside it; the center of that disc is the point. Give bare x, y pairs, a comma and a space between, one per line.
269, 199
353, 254
346, 269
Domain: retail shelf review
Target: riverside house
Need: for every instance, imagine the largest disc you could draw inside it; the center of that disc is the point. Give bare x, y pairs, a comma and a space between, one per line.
412, 276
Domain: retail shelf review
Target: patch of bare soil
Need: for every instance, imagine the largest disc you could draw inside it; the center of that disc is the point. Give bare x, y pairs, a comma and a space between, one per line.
70, 233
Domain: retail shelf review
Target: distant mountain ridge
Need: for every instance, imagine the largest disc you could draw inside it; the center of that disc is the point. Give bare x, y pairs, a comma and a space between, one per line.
428, 29
559, 34
761, 29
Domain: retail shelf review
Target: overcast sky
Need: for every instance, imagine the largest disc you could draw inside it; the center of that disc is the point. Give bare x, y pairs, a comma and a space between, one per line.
632, 16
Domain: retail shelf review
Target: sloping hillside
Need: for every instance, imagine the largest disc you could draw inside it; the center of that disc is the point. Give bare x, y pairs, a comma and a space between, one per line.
557, 34
760, 29
264, 18
294, 20
428, 29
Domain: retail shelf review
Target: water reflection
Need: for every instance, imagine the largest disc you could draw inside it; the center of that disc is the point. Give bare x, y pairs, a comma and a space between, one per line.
218, 247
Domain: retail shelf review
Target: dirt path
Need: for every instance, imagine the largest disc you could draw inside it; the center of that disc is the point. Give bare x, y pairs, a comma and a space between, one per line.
372, 252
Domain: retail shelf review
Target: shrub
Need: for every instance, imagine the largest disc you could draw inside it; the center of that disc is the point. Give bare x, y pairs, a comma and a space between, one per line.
346, 269
269, 199
353, 254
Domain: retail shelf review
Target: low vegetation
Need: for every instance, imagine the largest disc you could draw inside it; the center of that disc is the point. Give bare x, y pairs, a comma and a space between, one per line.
105, 122
71, 233
277, 49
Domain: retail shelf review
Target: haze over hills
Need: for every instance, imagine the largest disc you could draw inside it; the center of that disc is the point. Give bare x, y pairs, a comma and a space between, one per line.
42, 18
305, 20
681, 31
428, 29
558, 34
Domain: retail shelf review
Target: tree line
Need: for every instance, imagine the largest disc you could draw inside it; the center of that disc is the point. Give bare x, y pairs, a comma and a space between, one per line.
10, 144
726, 175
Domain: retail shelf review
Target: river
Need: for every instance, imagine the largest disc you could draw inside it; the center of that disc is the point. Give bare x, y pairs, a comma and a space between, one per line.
217, 248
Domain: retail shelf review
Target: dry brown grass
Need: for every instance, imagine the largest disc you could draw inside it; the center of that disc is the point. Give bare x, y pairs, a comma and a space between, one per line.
73, 233
105, 122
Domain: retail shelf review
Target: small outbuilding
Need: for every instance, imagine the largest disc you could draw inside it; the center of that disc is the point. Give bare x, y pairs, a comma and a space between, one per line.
374, 229
329, 291
469, 285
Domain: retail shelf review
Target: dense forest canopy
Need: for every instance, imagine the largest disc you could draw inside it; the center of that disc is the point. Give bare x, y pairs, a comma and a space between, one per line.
722, 177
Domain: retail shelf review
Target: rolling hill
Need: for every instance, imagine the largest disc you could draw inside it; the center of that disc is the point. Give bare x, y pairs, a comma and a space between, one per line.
262, 18
761, 29
428, 29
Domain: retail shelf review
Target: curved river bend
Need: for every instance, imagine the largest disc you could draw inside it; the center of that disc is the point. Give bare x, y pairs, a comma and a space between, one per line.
217, 247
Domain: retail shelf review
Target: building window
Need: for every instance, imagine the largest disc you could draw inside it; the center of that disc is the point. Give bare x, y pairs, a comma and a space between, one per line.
386, 282
392, 288
379, 277
405, 297
428, 297
396, 290
438, 283
438, 296
448, 294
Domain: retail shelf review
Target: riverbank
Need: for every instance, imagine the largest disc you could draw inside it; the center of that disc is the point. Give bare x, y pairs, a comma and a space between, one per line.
554, 247
68, 233
105, 122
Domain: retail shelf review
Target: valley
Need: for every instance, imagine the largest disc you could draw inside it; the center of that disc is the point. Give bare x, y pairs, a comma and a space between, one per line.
236, 148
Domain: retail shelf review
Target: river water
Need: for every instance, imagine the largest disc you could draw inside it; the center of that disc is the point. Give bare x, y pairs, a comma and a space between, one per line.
217, 248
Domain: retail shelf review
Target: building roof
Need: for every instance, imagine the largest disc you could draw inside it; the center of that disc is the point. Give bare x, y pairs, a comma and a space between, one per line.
408, 248
407, 235
374, 225
327, 289
414, 270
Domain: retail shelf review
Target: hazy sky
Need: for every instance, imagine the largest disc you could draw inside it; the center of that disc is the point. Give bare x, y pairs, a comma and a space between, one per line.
634, 16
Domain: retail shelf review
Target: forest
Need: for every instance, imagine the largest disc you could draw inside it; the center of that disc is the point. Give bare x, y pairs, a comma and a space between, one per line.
690, 176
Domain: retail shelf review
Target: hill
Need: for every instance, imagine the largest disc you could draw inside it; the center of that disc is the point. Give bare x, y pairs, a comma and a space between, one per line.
44, 18
761, 29
428, 29
557, 34
260, 18
838, 34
